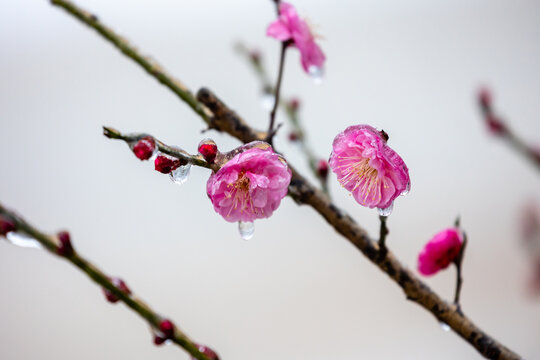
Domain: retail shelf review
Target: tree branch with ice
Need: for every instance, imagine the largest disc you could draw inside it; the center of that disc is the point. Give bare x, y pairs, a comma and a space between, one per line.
362, 160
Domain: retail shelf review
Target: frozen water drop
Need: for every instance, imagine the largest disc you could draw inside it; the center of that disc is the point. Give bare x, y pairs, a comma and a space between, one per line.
386, 211
23, 240
267, 101
246, 229
444, 326
407, 189
180, 174
316, 73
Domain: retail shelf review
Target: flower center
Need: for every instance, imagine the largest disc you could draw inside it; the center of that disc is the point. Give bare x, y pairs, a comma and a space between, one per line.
240, 194
356, 170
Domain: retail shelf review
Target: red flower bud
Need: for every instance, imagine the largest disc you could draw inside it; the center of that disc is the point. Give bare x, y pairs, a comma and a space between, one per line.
208, 149
211, 354
167, 328
158, 340
65, 248
144, 148
165, 164
294, 104
293, 136
120, 285
322, 169
6, 226
495, 125
484, 98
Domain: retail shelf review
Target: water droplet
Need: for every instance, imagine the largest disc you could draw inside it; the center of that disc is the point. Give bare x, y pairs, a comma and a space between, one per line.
180, 174
316, 73
407, 189
386, 211
23, 240
444, 326
267, 101
246, 229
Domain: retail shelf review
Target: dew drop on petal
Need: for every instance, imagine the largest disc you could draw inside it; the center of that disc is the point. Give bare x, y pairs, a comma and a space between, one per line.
316, 73
23, 240
246, 229
180, 174
267, 101
444, 326
386, 211
407, 189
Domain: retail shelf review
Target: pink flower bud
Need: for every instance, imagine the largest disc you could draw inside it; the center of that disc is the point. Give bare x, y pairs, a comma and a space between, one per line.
167, 328
440, 251
322, 169
120, 285
367, 167
6, 226
165, 164
65, 248
211, 354
249, 186
208, 149
144, 148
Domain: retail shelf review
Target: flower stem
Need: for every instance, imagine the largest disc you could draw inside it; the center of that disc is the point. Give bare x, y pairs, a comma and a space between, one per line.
271, 132
382, 237
459, 278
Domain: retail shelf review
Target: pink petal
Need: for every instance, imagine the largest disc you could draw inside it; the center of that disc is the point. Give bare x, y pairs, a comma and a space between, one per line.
278, 30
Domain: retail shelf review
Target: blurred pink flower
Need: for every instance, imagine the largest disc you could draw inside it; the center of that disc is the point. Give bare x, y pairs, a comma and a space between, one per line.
440, 251
289, 26
249, 186
367, 167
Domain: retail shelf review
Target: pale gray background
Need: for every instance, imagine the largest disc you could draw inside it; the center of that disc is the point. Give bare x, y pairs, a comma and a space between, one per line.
297, 290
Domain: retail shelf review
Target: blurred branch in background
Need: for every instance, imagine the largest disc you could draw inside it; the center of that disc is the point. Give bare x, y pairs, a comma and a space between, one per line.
21, 233
297, 134
498, 127
224, 119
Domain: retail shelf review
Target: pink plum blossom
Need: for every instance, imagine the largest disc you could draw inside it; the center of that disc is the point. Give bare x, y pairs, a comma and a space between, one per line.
289, 27
440, 251
249, 186
367, 167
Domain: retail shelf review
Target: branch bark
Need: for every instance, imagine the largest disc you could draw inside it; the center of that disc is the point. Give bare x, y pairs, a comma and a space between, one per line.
303, 192
51, 243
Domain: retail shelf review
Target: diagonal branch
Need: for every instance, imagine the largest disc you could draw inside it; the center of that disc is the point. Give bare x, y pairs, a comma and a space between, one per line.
51, 243
303, 192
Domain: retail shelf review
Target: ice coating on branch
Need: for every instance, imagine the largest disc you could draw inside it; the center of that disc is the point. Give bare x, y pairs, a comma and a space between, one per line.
249, 186
289, 26
367, 167
440, 251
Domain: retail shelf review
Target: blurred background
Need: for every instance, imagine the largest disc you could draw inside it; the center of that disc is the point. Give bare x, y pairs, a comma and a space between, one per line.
297, 290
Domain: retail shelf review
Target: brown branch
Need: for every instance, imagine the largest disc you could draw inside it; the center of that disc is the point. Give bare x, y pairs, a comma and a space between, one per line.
303, 192
52, 244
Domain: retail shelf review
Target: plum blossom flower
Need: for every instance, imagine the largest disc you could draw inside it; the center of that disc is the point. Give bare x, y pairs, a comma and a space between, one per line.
367, 167
440, 251
249, 186
289, 27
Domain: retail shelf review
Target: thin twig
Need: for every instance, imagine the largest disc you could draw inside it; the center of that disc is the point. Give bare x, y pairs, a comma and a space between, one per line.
459, 278
270, 132
303, 192
292, 113
382, 237
51, 243
196, 160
